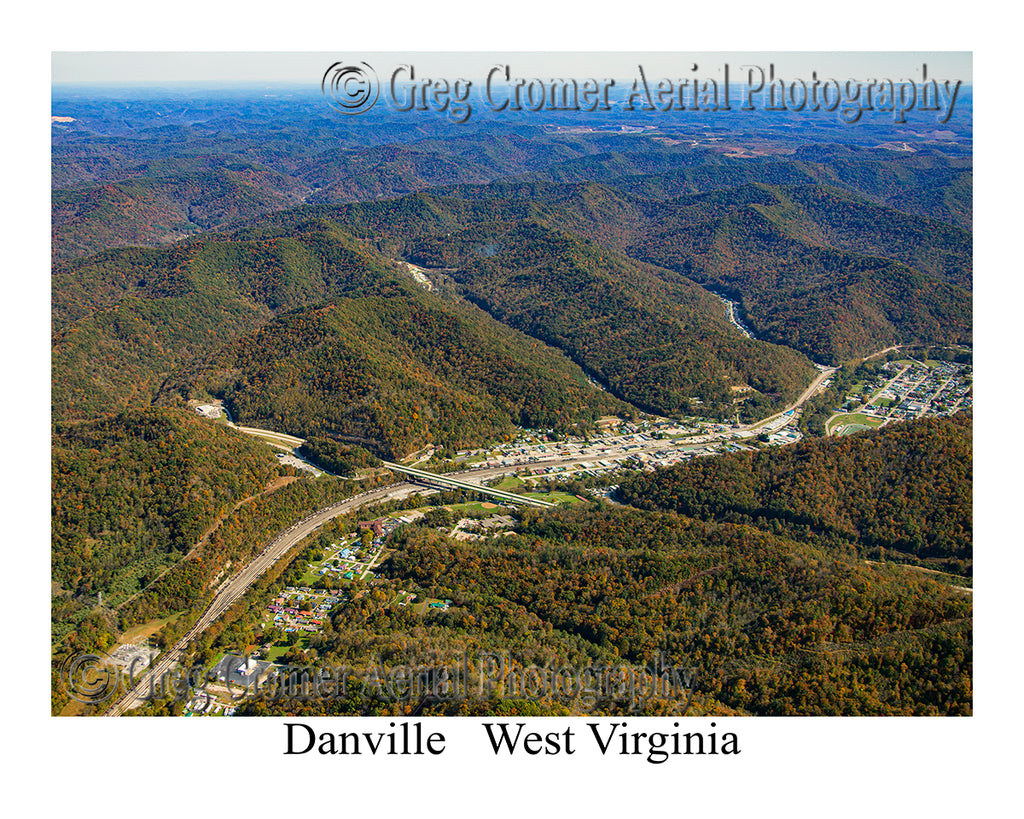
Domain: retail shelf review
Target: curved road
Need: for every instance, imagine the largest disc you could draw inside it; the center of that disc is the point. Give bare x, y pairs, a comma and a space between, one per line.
231, 590
239, 583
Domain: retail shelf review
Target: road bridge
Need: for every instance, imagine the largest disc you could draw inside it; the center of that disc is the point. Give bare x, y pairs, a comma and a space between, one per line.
448, 482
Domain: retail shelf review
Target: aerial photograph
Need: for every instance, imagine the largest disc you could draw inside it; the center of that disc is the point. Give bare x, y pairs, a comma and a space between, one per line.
520, 384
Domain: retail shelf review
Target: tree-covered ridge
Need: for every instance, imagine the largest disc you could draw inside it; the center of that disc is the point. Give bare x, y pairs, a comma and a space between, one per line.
928, 183
655, 343
153, 210
244, 532
817, 268
785, 252
830, 218
772, 627
829, 303
397, 373
276, 272
133, 492
904, 490
120, 186
126, 319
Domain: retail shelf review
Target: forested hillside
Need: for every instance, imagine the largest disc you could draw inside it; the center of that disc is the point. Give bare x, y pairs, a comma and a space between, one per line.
770, 626
132, 493
155, 210
395, 373
571, 273
799, 287
816, 268
904, 491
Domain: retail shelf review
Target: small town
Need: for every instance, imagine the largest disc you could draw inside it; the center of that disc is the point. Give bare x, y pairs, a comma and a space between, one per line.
906, 390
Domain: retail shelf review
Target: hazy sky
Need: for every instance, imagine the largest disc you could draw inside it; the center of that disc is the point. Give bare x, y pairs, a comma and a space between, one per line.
308, 67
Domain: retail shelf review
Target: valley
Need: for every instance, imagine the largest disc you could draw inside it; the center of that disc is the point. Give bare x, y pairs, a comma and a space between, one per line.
572, 395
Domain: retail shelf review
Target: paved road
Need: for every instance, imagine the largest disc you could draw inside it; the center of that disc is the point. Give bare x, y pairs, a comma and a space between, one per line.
454, 479
874, 395
278, 439
232, 589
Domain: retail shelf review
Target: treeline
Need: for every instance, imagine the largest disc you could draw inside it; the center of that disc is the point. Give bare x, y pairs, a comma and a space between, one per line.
904, 491
665, 347
396, 374
133, 492
768, 626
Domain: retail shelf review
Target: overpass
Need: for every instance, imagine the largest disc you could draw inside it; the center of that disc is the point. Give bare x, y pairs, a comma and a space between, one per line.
290, 442
447, 482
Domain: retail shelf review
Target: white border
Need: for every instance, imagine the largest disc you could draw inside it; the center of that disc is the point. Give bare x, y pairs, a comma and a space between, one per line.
837, 767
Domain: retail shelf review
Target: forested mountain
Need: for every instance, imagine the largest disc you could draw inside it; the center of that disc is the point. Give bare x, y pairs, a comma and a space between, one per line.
769, 626
150, 171
125, 319
128, 319
557, 255
664, 346
822, 271
796, 284
542, 259
816, 269
830, 218
397, 372
904, 491
147, 210
389, 171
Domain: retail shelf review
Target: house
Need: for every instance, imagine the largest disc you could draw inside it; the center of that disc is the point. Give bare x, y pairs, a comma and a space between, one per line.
376, 525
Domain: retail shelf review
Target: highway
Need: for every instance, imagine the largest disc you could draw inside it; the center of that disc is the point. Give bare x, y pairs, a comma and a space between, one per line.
448, 480
828, 372
232, 589
278, 439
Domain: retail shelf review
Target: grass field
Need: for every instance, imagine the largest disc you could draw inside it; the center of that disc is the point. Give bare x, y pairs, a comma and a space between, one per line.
275, 653
867, 421
555, 497
143, 630
485, 506
510, 483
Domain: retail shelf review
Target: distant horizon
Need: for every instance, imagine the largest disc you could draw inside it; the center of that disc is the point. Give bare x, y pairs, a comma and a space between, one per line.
214, 68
